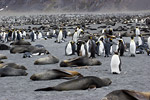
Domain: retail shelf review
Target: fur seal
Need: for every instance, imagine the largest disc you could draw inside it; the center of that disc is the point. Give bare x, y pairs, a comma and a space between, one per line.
28, 48
4, 47
80, 61
1, 62
39, 51
20, 42
79, 84
55, 74
2, 57
13, 65
8, 71
47, 60
127, 95
22, 49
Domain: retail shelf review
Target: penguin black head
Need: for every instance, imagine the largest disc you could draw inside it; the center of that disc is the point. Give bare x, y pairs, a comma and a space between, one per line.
140, 35
90, 37
102, 39
132, 37
72, 42
120, 40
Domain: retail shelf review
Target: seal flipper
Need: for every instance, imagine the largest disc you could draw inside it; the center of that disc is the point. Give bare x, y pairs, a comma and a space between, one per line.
92, 87
45, 89
137, 95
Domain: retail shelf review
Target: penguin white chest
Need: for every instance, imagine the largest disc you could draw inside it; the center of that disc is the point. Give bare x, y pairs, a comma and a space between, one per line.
83, 52
60, 36
39, 35
137, 32
69, 49
101, 47
148, 42
139, 40
75, 36
88, 48
132, 47
115, 63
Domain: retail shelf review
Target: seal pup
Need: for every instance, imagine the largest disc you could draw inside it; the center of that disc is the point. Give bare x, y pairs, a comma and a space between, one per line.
79, 84
46, 60
79, 61
127, 95
55, 74
115, 64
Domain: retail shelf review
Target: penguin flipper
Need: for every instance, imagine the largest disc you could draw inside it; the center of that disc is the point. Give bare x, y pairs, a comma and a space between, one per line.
45, 89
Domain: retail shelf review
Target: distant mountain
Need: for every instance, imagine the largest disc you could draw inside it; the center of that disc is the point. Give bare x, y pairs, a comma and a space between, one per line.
74, 5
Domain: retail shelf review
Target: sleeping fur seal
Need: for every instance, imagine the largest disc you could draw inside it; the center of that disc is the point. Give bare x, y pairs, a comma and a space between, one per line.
13, 65
22, 49
4, 47
20, 42
46, 60
55, 74
80, 61
9, 71
79, 84
127, 95
2, 57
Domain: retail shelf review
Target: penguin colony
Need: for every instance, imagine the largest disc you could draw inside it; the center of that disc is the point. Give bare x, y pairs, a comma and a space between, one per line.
81, 42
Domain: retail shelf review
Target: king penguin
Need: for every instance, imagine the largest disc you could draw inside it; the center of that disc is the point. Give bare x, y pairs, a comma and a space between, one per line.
70, 48
83, 51
75, 36
39, 35
100, 47
115, 64
32, 36
121, 47
60, 36
132, 47
137, 31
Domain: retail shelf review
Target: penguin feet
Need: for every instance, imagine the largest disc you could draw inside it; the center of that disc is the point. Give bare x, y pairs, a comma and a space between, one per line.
106, 56
132, 55
115, 73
